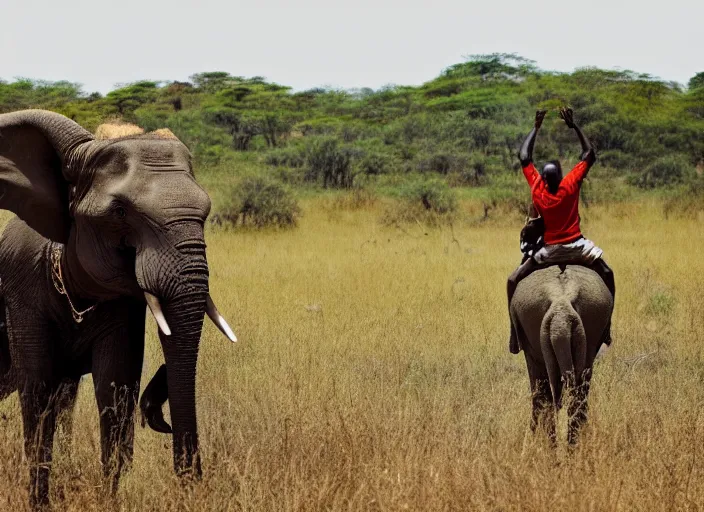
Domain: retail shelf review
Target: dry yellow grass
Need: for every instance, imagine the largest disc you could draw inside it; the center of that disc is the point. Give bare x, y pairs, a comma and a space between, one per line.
372, 373
116, 130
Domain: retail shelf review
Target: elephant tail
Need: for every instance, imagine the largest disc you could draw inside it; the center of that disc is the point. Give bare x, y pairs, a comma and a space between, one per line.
563, 343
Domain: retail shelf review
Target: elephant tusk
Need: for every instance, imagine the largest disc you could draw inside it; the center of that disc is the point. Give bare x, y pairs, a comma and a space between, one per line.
218, 320
155, 308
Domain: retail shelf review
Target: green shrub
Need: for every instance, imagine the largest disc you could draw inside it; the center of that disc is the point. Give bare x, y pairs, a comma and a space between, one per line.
374, 163
442, 162
605, 188
259, 202
477, 171
433, 195
667, 170
686, 201
329, 161
208, 155
431, 202
292, 156
508, 194
615, 159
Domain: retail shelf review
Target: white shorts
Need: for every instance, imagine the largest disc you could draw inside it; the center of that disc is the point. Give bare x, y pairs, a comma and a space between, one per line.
581, 251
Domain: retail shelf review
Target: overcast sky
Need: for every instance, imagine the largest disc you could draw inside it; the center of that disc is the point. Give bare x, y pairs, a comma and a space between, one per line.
327, 43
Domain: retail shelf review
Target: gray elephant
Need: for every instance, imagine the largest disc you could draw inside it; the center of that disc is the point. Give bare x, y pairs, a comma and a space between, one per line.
104, 227
561, 313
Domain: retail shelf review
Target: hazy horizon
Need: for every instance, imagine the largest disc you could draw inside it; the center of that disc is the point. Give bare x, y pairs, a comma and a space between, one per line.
368, 44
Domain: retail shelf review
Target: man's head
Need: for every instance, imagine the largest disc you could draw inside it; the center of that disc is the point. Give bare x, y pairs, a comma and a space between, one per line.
552, 174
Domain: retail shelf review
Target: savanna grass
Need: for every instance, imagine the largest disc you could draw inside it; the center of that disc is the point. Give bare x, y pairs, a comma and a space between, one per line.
372, 373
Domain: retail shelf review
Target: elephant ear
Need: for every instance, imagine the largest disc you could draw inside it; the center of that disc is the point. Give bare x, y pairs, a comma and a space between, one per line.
37, 149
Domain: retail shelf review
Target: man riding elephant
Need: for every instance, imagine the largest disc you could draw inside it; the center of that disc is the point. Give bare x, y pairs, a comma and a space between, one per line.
555, 236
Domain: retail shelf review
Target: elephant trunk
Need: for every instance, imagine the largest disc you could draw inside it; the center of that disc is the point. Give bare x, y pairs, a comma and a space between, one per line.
185, 315
63, 134
176, 279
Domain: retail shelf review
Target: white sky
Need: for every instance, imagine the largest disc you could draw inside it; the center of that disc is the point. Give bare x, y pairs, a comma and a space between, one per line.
362, 43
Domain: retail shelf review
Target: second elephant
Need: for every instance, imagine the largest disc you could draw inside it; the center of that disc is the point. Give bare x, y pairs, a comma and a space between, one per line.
561, 313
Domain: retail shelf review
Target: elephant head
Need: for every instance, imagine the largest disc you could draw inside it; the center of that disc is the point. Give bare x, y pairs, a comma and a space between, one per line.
131, 216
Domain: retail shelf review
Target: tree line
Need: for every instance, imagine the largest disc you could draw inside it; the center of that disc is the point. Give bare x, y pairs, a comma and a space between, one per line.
463, 126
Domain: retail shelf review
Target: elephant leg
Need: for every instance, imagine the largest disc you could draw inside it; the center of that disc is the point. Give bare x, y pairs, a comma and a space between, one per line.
607, 275
543, 409
8, 383
65, 404
7, 374
117, 367
543, 413
116, 429
37, 386
578, 408
37, 400
523, 271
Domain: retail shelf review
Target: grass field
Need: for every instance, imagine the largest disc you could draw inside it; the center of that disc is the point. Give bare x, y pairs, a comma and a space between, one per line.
372, 373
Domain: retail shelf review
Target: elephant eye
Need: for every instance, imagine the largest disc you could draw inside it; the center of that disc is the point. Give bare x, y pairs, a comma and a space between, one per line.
120, 212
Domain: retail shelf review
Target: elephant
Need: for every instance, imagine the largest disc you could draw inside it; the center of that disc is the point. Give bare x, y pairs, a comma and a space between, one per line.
561, 313
104, 230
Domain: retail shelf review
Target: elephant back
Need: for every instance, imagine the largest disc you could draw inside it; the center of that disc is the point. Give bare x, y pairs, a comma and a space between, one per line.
582, 287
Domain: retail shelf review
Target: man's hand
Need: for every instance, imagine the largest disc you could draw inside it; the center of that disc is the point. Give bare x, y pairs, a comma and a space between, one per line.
566, 116
539, 116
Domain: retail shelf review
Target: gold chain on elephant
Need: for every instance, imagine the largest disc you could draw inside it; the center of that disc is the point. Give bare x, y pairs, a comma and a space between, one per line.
58, 280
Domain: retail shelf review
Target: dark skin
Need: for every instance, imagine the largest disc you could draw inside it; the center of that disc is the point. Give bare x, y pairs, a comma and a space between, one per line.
588, 153
525, 155
125, 219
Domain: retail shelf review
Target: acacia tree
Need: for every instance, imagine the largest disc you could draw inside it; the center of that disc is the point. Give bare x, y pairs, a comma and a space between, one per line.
129, 98
697, 81
241, 126
250, 108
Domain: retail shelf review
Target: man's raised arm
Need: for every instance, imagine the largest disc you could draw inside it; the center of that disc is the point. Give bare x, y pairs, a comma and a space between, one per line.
588, 153
525, 155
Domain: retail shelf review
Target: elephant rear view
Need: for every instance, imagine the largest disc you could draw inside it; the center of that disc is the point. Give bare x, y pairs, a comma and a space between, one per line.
561, 314
105, 228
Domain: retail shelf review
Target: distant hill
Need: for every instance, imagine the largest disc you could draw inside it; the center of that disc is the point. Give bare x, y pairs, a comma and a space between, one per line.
465, 124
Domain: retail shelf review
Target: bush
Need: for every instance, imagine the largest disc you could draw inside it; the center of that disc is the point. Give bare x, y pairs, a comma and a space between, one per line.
604, 188
376, 162
686, 201
508, 194
330, 161
286, 157
442, 162
615, 159
261, 202
433, 195
667, 170
432, 202
208, 155
477, 171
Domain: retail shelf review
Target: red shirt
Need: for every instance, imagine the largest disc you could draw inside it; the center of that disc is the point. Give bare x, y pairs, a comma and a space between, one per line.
560, 211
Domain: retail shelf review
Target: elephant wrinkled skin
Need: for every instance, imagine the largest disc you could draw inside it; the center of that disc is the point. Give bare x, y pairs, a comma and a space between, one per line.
109, 223
561, 316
